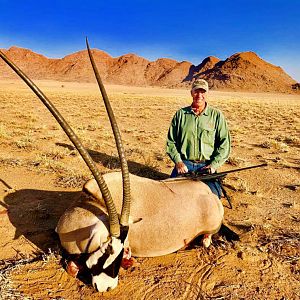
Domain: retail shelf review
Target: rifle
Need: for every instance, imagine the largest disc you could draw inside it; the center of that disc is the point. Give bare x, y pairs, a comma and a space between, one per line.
206, 175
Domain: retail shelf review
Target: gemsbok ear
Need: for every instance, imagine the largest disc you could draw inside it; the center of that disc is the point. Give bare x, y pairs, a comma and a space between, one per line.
91, 188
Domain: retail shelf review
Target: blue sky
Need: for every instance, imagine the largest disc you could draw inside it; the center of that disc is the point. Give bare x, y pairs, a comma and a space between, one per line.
181, 30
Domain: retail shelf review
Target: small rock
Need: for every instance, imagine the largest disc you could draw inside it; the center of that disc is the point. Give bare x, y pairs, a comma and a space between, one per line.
293, 187
241, 255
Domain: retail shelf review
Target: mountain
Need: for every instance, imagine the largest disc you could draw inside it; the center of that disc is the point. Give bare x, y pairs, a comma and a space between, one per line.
207, 64
77, 66
247, 71
244, 71
33, 64
128, 69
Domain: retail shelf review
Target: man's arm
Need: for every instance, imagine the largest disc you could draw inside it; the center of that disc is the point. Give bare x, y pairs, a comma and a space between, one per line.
181, 168
222, 143
172, 141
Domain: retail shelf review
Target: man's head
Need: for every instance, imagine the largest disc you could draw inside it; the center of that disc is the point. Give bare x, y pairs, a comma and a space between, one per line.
198, 92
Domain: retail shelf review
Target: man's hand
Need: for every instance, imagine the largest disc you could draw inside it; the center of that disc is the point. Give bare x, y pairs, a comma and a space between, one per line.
212, 170
181, 168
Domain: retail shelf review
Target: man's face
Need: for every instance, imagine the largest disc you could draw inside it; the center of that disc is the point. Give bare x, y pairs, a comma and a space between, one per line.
199, 97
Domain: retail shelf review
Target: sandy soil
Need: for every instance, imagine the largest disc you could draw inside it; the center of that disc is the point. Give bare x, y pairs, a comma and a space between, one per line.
41, 173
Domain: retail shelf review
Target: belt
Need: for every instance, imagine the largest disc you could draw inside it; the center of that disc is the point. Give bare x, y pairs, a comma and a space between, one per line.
198, 161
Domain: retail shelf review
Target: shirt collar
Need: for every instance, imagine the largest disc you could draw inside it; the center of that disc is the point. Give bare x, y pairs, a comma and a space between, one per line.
205, 111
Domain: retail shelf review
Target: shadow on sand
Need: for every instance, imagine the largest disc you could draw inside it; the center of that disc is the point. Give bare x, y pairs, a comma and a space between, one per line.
112, 162
35, 213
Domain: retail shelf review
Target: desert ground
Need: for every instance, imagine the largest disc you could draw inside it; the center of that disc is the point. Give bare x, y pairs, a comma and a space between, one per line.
41, 173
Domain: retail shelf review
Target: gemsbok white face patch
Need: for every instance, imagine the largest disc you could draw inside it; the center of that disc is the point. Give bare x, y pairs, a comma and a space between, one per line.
116, 248
105, 264
103, 282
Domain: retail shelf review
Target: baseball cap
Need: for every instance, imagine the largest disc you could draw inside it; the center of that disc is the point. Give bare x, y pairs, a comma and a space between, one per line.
200, 84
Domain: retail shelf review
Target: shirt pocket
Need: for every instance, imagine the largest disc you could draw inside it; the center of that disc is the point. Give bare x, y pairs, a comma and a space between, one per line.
207, 141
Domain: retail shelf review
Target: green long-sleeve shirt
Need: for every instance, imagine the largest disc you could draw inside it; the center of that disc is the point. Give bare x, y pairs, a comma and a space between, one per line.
203, 137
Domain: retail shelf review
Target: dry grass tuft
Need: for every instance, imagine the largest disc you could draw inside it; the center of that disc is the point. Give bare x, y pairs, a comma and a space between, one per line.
275, 145
285, 246
237, 184
26, 142
71, 180
46, 163
60, 153
14, 162
4, 133
289, 140
236, 161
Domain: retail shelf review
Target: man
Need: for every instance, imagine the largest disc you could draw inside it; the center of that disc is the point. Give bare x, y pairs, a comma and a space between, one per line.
198, 138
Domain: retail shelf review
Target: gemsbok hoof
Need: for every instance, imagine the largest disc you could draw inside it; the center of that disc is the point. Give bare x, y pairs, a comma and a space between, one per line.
206, 240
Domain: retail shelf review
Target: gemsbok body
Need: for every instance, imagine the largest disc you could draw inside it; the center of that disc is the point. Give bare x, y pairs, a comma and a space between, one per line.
120, 211
166, 215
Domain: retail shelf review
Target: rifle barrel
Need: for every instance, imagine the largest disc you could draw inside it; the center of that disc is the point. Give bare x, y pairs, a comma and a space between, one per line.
242, 169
